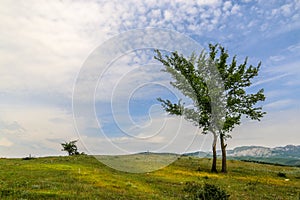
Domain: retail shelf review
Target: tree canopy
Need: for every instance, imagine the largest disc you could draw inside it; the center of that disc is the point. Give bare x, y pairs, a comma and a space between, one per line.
70, 147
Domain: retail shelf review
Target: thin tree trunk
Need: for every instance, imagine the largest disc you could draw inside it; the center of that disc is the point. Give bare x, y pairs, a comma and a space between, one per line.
223, 147
214, 149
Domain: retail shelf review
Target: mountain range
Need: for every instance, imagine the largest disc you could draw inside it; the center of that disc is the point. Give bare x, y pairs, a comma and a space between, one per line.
287, 155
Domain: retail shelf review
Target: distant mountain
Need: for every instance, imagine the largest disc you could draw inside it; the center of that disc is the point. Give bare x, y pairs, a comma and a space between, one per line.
287, 155
290, 151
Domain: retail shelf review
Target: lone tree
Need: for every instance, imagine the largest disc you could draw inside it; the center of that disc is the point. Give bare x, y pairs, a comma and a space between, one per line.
70, 147
218, 92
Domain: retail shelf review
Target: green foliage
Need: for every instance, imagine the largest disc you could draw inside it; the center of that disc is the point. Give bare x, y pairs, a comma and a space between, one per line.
236, 79
70, 147
28, 158
190, 80
204, 192
209, 80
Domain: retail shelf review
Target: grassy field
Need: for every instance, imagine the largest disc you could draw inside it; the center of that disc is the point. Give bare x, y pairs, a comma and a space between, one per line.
84, 177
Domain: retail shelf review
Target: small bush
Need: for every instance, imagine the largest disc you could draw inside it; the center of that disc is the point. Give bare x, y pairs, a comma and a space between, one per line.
70, 147
281, 174
204, 192
28, 158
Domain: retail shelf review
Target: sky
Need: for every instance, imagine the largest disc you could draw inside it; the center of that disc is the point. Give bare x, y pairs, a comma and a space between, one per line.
63, 79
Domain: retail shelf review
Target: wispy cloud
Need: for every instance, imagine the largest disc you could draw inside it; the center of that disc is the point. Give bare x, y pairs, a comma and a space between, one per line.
5, 142
11, 127
277, 58
280, 104
271, 79
277, 128
28, 127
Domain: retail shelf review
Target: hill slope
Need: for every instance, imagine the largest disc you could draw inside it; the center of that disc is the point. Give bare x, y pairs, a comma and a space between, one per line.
83, 177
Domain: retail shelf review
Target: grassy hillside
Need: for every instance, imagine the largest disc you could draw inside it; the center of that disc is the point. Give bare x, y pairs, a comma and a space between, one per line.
83, 177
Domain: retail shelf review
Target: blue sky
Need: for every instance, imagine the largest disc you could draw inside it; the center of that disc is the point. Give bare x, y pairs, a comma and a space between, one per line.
44, 45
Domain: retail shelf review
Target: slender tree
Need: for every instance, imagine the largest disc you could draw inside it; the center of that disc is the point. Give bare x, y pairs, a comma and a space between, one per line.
218, 92
190, 78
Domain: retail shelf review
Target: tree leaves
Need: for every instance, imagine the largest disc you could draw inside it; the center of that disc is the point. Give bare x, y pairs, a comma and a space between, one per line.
70, 147
195, 78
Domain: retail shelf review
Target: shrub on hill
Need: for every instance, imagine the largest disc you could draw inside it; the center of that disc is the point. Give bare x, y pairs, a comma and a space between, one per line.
204, 192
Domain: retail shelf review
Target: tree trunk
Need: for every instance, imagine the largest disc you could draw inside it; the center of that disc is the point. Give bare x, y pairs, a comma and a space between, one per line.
223, 147
214, 149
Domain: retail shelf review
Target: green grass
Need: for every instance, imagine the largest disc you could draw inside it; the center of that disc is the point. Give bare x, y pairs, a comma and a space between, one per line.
84, 177
138, 163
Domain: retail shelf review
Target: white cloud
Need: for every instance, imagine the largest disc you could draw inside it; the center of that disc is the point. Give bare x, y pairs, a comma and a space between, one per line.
5, 142
40, 135
227, 5
168, 15
291, 68
12, 127
276, 129
270, 78
293, 82
294, 48
247, 1
45, 43
235, 9
49, 41
280, 104
173, 135
208, 2
286, 9
277, 58
277, 93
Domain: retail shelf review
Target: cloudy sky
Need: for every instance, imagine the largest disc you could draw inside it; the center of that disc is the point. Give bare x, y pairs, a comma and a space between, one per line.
45, 46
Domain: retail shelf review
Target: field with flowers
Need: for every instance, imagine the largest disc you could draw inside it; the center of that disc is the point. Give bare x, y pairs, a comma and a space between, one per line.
84, 177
